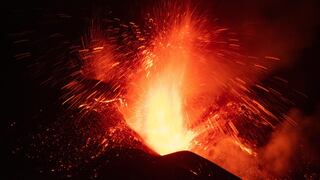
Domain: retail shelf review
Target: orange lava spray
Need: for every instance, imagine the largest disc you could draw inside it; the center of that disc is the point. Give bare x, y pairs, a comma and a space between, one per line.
159, 115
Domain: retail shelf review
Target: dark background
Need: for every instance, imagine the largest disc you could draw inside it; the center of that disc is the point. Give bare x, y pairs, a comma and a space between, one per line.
27, 104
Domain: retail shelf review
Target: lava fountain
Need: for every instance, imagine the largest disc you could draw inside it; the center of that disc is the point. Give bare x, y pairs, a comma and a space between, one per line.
163, 122
159, 115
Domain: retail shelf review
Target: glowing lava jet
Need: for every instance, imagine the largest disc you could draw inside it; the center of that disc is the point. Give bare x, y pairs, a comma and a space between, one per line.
159, 115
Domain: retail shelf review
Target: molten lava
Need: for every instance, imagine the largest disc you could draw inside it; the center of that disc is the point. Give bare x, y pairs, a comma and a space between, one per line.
163, 126
159, 117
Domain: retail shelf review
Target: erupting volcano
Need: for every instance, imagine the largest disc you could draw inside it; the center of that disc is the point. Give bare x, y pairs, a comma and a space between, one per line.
181, 83
174, 80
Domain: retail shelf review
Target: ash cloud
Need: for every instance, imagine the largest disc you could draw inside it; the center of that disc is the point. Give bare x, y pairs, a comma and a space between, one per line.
279, 28
292, 151
294, 148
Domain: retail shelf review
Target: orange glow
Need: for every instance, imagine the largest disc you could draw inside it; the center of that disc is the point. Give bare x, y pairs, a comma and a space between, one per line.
164, 126
159, 117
